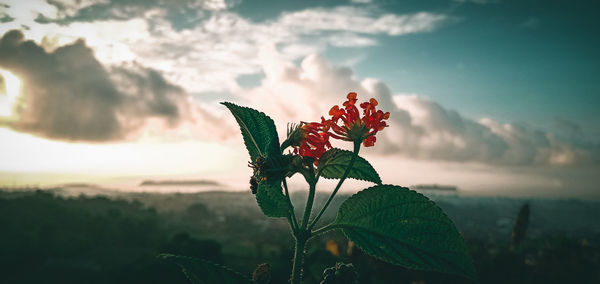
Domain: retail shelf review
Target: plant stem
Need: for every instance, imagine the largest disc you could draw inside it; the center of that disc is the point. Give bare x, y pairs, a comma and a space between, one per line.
292, 219
322, 230
309, 204
303, 233
337, 187
301, 240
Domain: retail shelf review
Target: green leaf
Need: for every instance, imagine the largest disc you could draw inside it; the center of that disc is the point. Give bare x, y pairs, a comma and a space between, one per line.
277, 166
258, 130
334, 162
403, 227
271, 200
200, 271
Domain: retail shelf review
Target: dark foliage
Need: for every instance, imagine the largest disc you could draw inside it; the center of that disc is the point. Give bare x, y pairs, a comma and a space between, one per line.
47, 238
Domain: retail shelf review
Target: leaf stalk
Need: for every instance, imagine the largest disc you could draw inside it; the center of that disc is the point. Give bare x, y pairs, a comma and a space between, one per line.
339, 184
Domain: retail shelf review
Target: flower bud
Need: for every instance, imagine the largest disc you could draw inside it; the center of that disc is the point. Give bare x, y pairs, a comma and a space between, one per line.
253, 184
295, 135
341, 273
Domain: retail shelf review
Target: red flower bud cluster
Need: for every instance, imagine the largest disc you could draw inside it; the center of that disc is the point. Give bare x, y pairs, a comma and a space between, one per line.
315, 141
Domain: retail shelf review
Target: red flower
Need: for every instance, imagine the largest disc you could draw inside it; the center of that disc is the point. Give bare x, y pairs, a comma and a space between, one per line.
312, 138
315, 141
355, 127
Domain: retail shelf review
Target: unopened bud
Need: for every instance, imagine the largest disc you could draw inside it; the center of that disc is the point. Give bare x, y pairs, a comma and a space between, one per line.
253, 184
295, 134
341, 273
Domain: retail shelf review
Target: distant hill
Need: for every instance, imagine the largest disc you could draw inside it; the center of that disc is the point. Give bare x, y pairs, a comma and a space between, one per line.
200, 182
434, 187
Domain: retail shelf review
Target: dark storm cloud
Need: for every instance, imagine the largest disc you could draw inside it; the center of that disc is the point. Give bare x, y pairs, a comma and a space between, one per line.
69, 95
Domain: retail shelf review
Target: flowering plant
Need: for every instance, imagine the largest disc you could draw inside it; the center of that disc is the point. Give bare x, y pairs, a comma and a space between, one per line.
388, 222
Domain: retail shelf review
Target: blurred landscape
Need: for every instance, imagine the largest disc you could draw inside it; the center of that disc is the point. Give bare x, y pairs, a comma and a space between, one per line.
85, 234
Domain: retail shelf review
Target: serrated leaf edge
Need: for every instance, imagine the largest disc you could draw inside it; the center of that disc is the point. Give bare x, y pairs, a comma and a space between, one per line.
242, 123
269, 187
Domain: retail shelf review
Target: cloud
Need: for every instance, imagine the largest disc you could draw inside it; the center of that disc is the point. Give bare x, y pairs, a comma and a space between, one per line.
4, 17
187, 14
419, 127
350, 40
568, 129
225, 45
203, 50
448, 135
67, 94
353, 19
209, 52
181, 13
70, 95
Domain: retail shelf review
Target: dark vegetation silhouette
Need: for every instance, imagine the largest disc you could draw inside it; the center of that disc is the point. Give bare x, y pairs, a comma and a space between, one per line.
49, 238
520, 228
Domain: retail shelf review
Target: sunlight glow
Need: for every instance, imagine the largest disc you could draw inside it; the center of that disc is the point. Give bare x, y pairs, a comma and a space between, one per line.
26, 153
9, 94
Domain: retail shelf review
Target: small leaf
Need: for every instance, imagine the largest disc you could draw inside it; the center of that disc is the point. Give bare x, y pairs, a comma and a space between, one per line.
271, 200
403, 227
258, 130
200, 271
334, 162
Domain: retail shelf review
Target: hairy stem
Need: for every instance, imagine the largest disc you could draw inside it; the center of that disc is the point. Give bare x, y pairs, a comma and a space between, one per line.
309, 205
302, 234
292, 218
301, 240
322, 230
339, 184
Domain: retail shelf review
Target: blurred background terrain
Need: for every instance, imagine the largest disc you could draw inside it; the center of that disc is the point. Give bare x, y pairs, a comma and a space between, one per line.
60, 236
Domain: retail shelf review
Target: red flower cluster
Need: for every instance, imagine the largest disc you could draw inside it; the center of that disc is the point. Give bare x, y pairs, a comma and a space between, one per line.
316, 135
315, 141
354, 127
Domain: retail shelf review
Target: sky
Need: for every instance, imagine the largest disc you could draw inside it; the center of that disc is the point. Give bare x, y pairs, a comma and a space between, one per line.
495, 97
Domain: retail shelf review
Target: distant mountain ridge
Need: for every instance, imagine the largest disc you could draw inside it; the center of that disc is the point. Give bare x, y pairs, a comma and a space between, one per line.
201, 182
434, 187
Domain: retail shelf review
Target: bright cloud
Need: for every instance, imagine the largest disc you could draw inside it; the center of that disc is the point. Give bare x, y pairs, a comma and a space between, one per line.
211, 56
353, 19
216, 47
